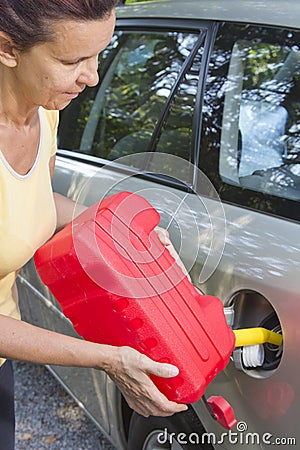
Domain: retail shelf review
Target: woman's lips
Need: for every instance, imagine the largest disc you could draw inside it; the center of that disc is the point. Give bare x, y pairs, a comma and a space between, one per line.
72, 94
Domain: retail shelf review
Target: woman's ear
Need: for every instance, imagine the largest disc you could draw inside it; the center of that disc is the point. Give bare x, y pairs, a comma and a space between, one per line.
8, 51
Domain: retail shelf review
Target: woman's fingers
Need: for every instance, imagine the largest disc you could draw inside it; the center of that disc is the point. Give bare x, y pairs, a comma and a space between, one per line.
164, 238
152, 402
163, 235
131, 375
163, 370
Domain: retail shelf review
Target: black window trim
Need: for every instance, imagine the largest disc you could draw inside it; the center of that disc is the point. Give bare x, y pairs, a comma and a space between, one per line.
117, 167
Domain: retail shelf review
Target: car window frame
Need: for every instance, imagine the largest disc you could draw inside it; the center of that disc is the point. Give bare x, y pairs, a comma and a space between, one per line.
287, 208
181, 25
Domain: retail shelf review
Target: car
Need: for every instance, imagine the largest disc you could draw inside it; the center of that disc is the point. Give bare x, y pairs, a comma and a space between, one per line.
198, 110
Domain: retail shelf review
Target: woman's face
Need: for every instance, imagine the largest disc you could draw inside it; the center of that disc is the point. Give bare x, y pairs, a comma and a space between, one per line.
53, 73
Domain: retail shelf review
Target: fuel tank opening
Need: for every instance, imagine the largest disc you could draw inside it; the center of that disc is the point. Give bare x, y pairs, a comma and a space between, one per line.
252, 310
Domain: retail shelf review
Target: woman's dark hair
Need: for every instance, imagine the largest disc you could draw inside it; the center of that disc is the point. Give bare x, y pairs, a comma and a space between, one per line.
28, 22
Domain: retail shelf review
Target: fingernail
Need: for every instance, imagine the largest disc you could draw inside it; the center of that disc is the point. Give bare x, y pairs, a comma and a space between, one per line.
173, 371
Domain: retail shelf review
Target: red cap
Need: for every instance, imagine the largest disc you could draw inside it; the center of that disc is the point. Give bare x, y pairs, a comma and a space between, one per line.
222, 411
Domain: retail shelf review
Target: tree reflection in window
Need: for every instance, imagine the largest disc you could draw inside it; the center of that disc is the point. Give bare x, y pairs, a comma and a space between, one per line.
250, 137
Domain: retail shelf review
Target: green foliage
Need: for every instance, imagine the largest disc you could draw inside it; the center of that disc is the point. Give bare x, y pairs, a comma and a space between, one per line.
262, 63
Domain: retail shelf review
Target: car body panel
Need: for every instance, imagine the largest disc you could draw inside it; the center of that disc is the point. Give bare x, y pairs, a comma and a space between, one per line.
245, 11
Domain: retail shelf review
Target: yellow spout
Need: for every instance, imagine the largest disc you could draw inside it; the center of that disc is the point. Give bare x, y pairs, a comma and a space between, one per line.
253, 336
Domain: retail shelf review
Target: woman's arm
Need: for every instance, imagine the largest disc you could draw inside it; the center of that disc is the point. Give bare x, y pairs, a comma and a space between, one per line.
128, 368
66, 209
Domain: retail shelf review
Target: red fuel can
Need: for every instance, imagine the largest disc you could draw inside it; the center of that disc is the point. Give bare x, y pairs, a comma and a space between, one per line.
119, 285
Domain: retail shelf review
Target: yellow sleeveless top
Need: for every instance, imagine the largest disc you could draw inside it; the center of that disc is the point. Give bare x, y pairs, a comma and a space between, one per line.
27, 212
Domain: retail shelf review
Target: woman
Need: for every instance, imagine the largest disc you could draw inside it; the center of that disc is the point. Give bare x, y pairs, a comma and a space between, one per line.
47, 57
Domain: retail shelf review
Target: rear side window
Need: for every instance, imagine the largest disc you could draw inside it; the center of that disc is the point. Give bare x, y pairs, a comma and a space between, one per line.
254, 139
145, 99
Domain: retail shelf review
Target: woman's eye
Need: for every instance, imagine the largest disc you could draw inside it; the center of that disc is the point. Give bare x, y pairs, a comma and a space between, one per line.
71, 63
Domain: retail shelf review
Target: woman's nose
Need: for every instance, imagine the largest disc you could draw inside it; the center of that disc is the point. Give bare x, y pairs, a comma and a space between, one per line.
89, 75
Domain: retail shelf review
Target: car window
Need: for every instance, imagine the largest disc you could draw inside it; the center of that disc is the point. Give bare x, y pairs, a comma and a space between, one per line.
144, 101
252, 116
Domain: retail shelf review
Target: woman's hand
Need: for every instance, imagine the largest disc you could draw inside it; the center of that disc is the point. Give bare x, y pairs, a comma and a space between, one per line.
130, 371
164, 238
